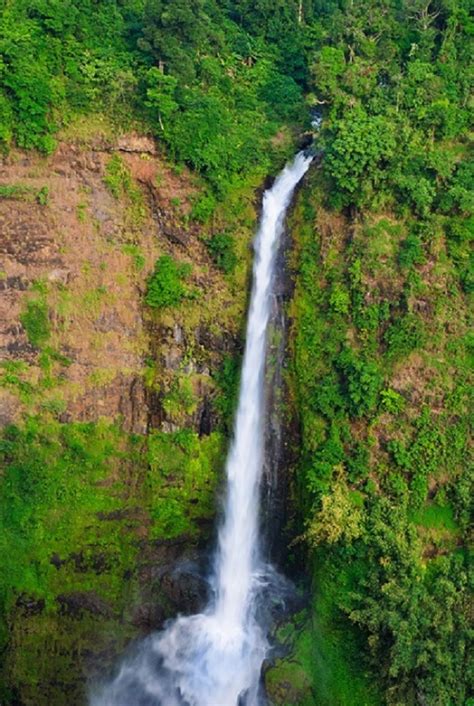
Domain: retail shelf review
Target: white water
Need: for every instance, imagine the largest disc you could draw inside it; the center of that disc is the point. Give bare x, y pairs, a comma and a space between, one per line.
215, 658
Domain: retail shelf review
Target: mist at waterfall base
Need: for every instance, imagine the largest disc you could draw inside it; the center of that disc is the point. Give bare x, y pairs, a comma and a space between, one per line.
215, 658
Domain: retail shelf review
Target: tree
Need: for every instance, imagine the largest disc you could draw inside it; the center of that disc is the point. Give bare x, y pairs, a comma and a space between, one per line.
160, 95
361, 148
338, 518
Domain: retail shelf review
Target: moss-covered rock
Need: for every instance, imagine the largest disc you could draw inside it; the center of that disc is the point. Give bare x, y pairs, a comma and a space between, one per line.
114, 428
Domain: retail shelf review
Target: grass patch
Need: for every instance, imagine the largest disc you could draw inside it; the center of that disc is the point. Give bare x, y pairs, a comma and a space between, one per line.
435, 516
136, 253
339, 675
24, 192
35, 321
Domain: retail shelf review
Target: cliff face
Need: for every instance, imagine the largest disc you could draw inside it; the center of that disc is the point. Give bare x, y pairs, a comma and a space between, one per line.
380, 378
113, 417
74, 244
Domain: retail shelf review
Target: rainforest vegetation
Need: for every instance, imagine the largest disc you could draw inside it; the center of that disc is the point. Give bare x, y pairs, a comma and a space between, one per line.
379, 369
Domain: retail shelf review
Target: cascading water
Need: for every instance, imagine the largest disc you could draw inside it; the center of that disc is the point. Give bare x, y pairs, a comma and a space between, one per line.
215, 658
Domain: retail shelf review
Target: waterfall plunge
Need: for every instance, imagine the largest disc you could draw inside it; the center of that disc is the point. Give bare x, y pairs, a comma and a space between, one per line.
215, 658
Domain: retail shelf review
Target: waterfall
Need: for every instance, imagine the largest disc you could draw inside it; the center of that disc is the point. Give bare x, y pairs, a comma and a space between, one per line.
215, 658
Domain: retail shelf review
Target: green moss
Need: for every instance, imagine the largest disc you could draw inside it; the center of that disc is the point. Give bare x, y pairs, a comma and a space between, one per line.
227, 378
435, 516
182, 478
75, 501
24, 192
340, 673
35, 321
135, 252
325, 664
288, 684
166, 286
180, 400
222, 250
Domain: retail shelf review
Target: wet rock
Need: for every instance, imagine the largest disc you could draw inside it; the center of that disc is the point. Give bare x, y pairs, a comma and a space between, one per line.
185, 588
172, 358
57, 562
77, 603
29, 605
149, 616
205, 418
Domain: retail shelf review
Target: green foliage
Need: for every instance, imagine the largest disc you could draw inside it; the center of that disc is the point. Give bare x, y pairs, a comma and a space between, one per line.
160, 96
339, 299
357, 155
382, 431
227, 378
166, 285
392, 401
404, 336
182, 480
362, 381
48, 495
23, 192
397, 94
35, 321
203, 208
408, 593
283, 96
337, 519
136, 254
212, 92
59, 59
118, 179
75, 500
222, 250
180, 399
411, 252
435, 516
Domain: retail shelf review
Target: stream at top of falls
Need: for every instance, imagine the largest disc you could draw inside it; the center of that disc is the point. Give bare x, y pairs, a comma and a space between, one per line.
215, 658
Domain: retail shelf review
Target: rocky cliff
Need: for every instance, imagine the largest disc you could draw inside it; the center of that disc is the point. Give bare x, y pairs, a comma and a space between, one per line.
114, 415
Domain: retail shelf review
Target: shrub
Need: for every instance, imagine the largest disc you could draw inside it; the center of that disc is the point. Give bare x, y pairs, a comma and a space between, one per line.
411, 252
339, 299
118, 179
362, 382
203, 208
23, 192
35, 321
227, 380
361, 146
392, 401
165, 285
404, 336
222, 250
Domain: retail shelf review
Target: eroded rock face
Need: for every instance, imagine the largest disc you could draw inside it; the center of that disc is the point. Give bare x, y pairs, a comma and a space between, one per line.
72, 246
78, 344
